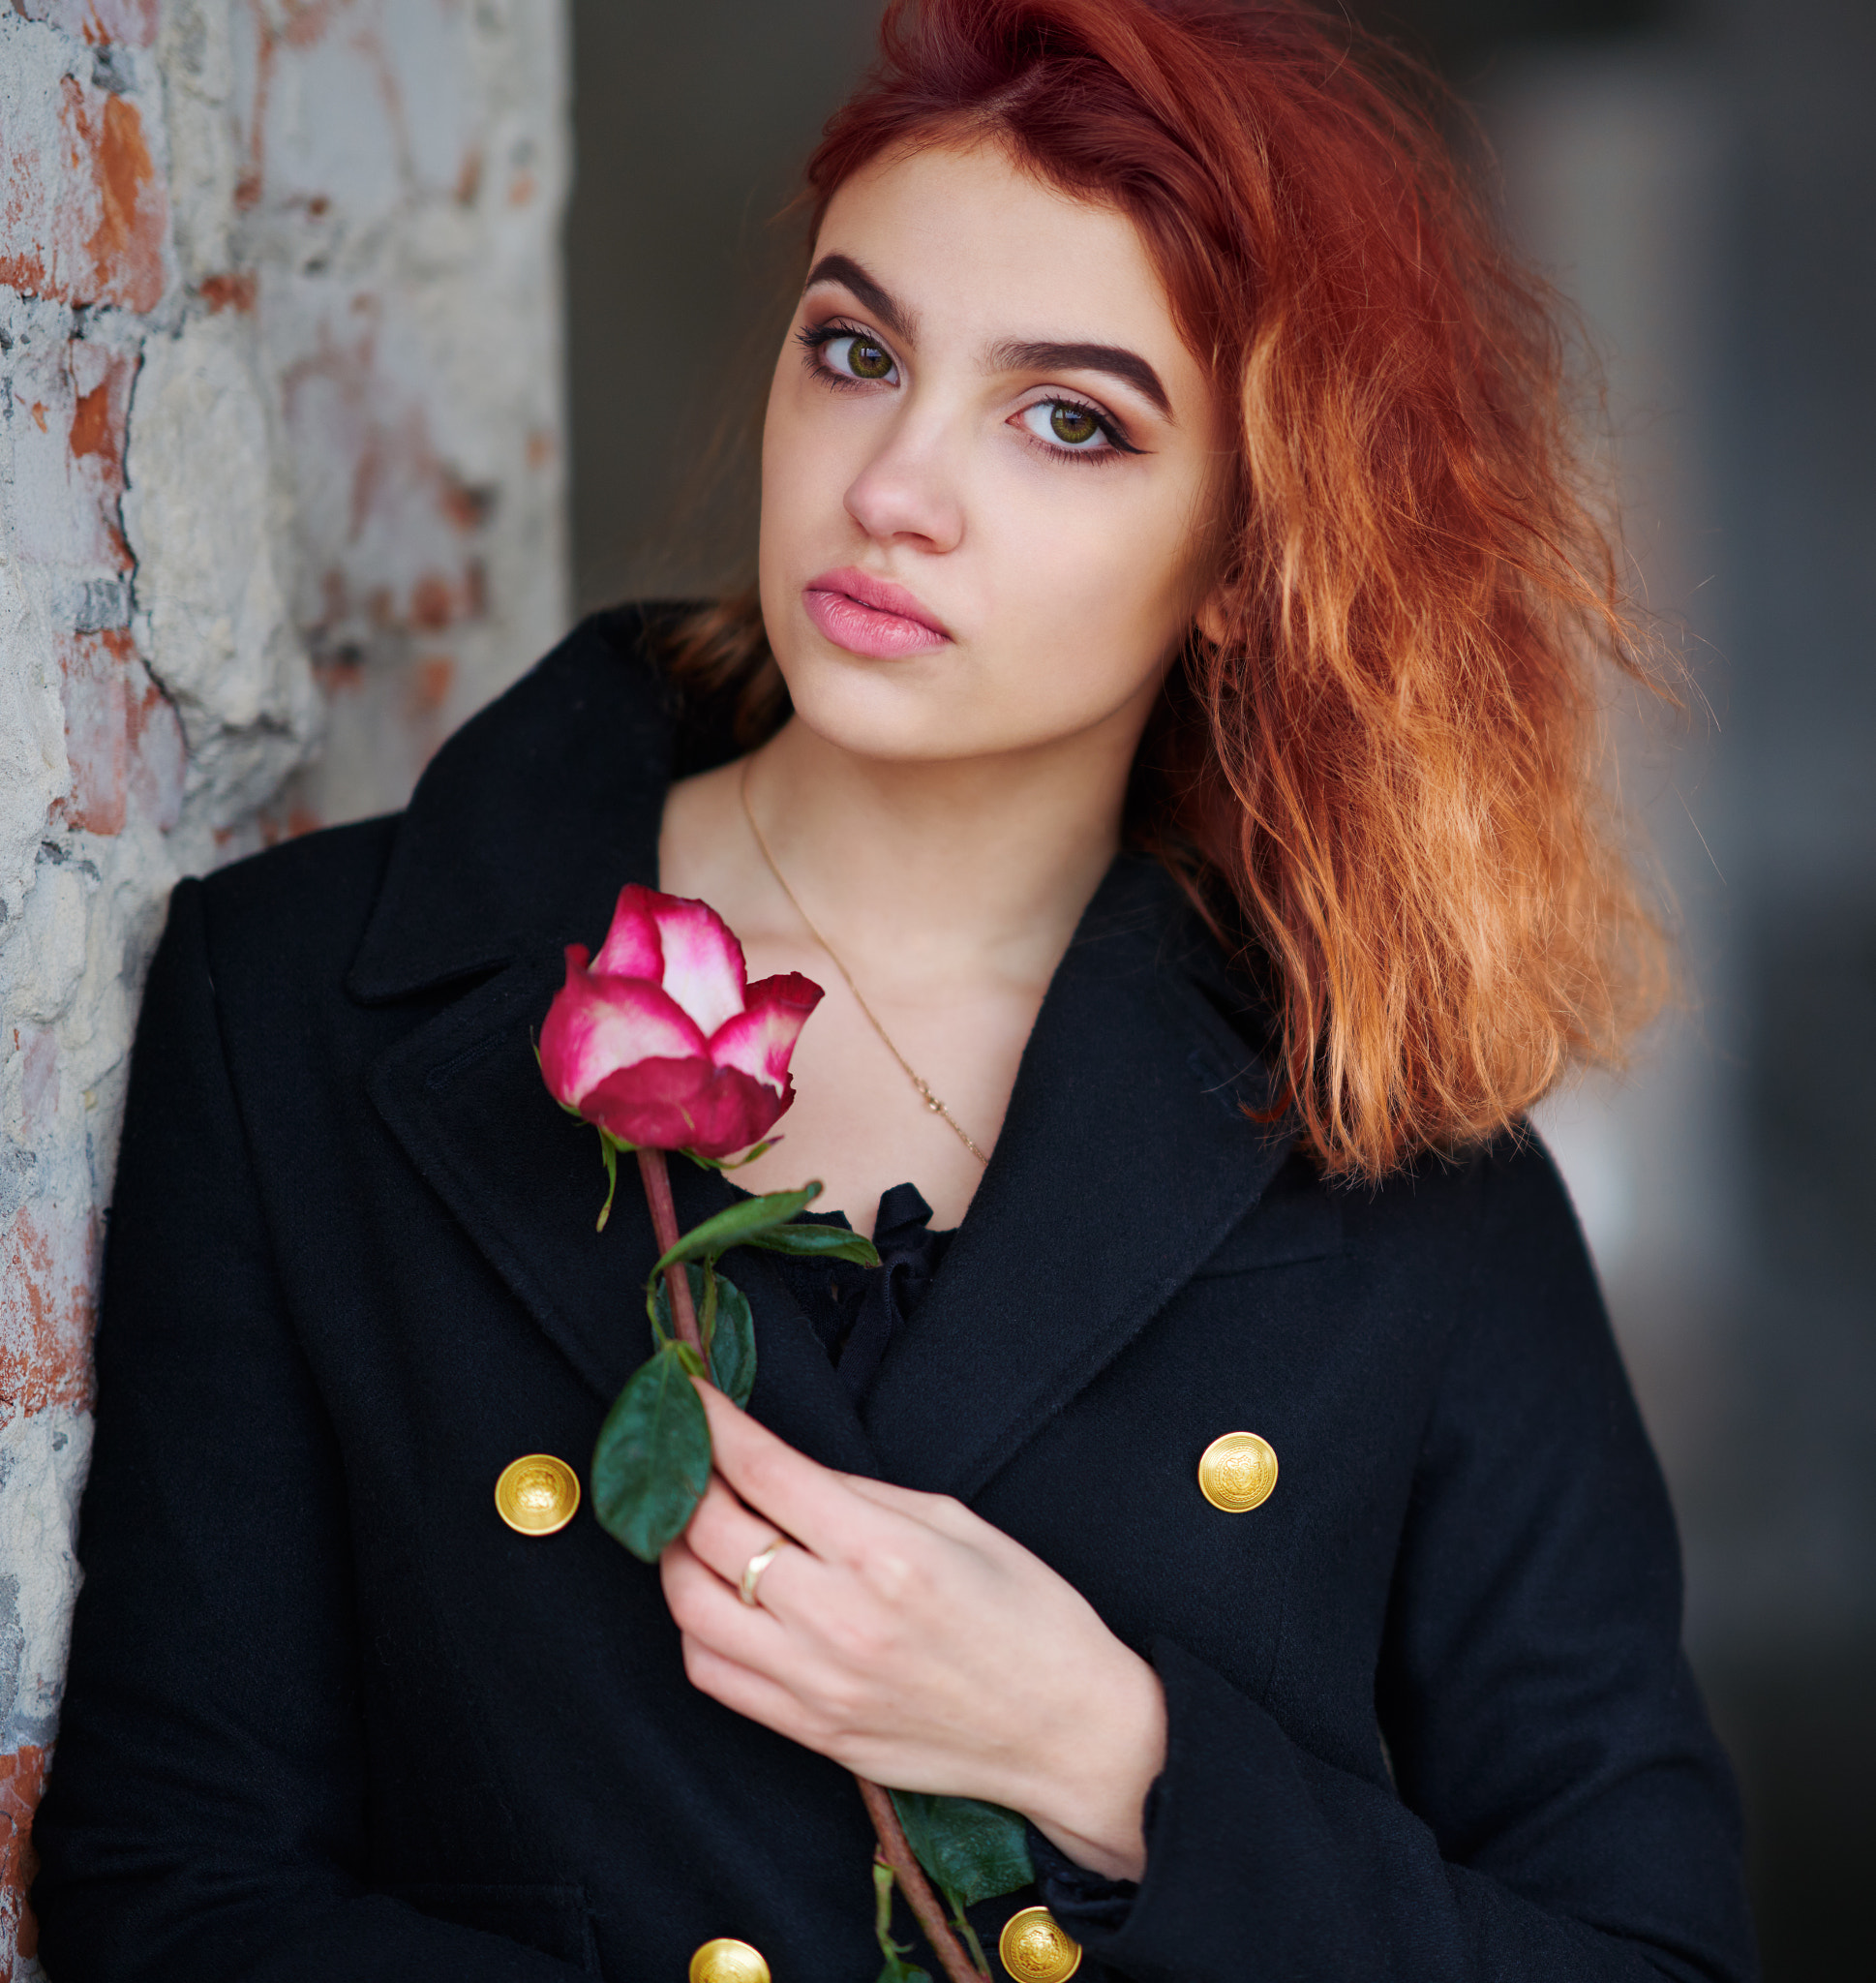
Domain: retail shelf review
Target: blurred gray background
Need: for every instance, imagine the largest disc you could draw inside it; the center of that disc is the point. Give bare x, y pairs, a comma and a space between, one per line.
1702, 179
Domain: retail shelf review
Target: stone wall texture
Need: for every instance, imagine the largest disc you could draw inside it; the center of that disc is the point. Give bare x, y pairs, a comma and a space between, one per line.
281, 502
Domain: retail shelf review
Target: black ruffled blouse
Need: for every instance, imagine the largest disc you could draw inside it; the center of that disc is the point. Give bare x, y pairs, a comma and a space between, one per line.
856, 1311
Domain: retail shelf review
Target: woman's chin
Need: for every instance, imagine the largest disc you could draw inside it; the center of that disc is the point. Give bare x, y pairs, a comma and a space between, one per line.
906, 736
905, 710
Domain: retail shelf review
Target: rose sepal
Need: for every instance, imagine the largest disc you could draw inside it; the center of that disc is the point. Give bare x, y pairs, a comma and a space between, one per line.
612, 1148
748, 1156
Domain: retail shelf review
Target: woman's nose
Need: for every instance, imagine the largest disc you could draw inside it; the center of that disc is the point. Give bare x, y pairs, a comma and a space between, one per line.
908, 490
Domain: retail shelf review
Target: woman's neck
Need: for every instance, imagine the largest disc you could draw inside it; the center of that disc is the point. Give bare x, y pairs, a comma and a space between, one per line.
946, 891
943, 870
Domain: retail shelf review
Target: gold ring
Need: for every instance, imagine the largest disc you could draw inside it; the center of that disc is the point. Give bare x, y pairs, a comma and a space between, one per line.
752, 1569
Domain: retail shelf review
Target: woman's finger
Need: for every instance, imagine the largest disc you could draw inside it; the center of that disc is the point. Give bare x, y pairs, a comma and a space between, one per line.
727, 1536
704, 1606
743, 1690
799, 1496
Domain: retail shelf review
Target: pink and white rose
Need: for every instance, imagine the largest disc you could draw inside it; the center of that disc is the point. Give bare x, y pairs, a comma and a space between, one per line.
663, 1042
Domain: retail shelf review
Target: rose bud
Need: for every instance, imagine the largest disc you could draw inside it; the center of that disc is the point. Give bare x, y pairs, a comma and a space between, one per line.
662, 1042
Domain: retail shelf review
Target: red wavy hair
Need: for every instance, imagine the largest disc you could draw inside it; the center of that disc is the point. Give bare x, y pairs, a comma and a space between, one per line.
1386, 761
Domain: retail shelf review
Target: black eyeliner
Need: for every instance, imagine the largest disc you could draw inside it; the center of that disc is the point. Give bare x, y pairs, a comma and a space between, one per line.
1106, 422
812, 336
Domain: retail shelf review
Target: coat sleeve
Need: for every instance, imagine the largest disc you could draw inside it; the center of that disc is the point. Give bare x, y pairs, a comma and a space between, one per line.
206, 1817
1559, 1808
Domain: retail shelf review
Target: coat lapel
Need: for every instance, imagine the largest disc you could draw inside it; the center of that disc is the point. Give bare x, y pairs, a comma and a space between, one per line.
1125, 1159
464, 1097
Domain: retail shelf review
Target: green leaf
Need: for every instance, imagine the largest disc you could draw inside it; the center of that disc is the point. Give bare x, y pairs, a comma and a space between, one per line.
974, 1851
734, 1228
651, 1463
657, 1305
733, 1345
748, 1156
818, 1242
732, 1339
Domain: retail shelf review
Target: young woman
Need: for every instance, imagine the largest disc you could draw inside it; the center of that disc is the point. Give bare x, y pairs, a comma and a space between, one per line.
1165, 727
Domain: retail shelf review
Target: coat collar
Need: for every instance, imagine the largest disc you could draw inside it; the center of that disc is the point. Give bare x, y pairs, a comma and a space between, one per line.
526, 823
1125, 1156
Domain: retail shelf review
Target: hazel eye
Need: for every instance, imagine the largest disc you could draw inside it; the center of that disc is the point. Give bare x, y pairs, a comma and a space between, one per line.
861, 357
1074, 428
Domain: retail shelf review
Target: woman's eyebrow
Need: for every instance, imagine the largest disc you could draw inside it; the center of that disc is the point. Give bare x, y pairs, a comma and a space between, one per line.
1114, 360
845, 270
1012, 355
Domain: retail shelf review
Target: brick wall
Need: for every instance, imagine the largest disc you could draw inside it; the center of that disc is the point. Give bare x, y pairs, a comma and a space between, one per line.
279, 503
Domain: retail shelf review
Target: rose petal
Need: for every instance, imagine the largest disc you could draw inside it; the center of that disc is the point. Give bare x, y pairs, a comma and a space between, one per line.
685, 1105
631, 949
597, 1024
759, 1040
703, 961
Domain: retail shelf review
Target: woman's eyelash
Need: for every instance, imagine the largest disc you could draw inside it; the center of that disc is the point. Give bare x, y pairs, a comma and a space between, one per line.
813, 337
1112, 431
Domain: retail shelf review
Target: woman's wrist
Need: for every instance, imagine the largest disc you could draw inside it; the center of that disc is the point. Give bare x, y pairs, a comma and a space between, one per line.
1091, 1801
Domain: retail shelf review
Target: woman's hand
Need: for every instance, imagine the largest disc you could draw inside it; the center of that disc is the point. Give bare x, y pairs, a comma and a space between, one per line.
913, 1643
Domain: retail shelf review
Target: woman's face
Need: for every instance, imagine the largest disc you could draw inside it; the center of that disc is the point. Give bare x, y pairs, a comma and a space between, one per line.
985, 467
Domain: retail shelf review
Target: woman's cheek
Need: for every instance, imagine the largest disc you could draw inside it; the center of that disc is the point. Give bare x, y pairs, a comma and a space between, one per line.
1091, 601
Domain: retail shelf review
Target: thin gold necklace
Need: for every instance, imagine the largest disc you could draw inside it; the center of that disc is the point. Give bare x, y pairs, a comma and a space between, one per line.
912, 1074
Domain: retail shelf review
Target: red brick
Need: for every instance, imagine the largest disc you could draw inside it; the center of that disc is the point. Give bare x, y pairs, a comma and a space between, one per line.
159, 753
22, 1777
96, 730
69, 463
47, 1262
233, 292
122, 737
431, 681
83, 220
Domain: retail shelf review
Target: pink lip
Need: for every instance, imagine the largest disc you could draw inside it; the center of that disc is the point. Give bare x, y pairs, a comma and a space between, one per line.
867, 616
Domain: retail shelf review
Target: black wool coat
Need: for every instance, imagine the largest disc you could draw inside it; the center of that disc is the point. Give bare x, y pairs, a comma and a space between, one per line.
327, 1716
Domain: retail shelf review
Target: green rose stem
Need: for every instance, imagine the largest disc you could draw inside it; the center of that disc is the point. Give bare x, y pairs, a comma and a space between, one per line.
893, 1849
657, 1180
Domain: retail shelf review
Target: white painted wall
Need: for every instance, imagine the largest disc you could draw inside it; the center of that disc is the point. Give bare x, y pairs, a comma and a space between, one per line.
281, 502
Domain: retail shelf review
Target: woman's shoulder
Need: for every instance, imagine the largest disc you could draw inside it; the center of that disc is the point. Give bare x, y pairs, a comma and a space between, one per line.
564, 767
1471, 1216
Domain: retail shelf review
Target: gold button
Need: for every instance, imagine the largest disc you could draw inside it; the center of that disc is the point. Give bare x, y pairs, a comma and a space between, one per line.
1036, 1948
536, 1494
728, 1960
1237, 1471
